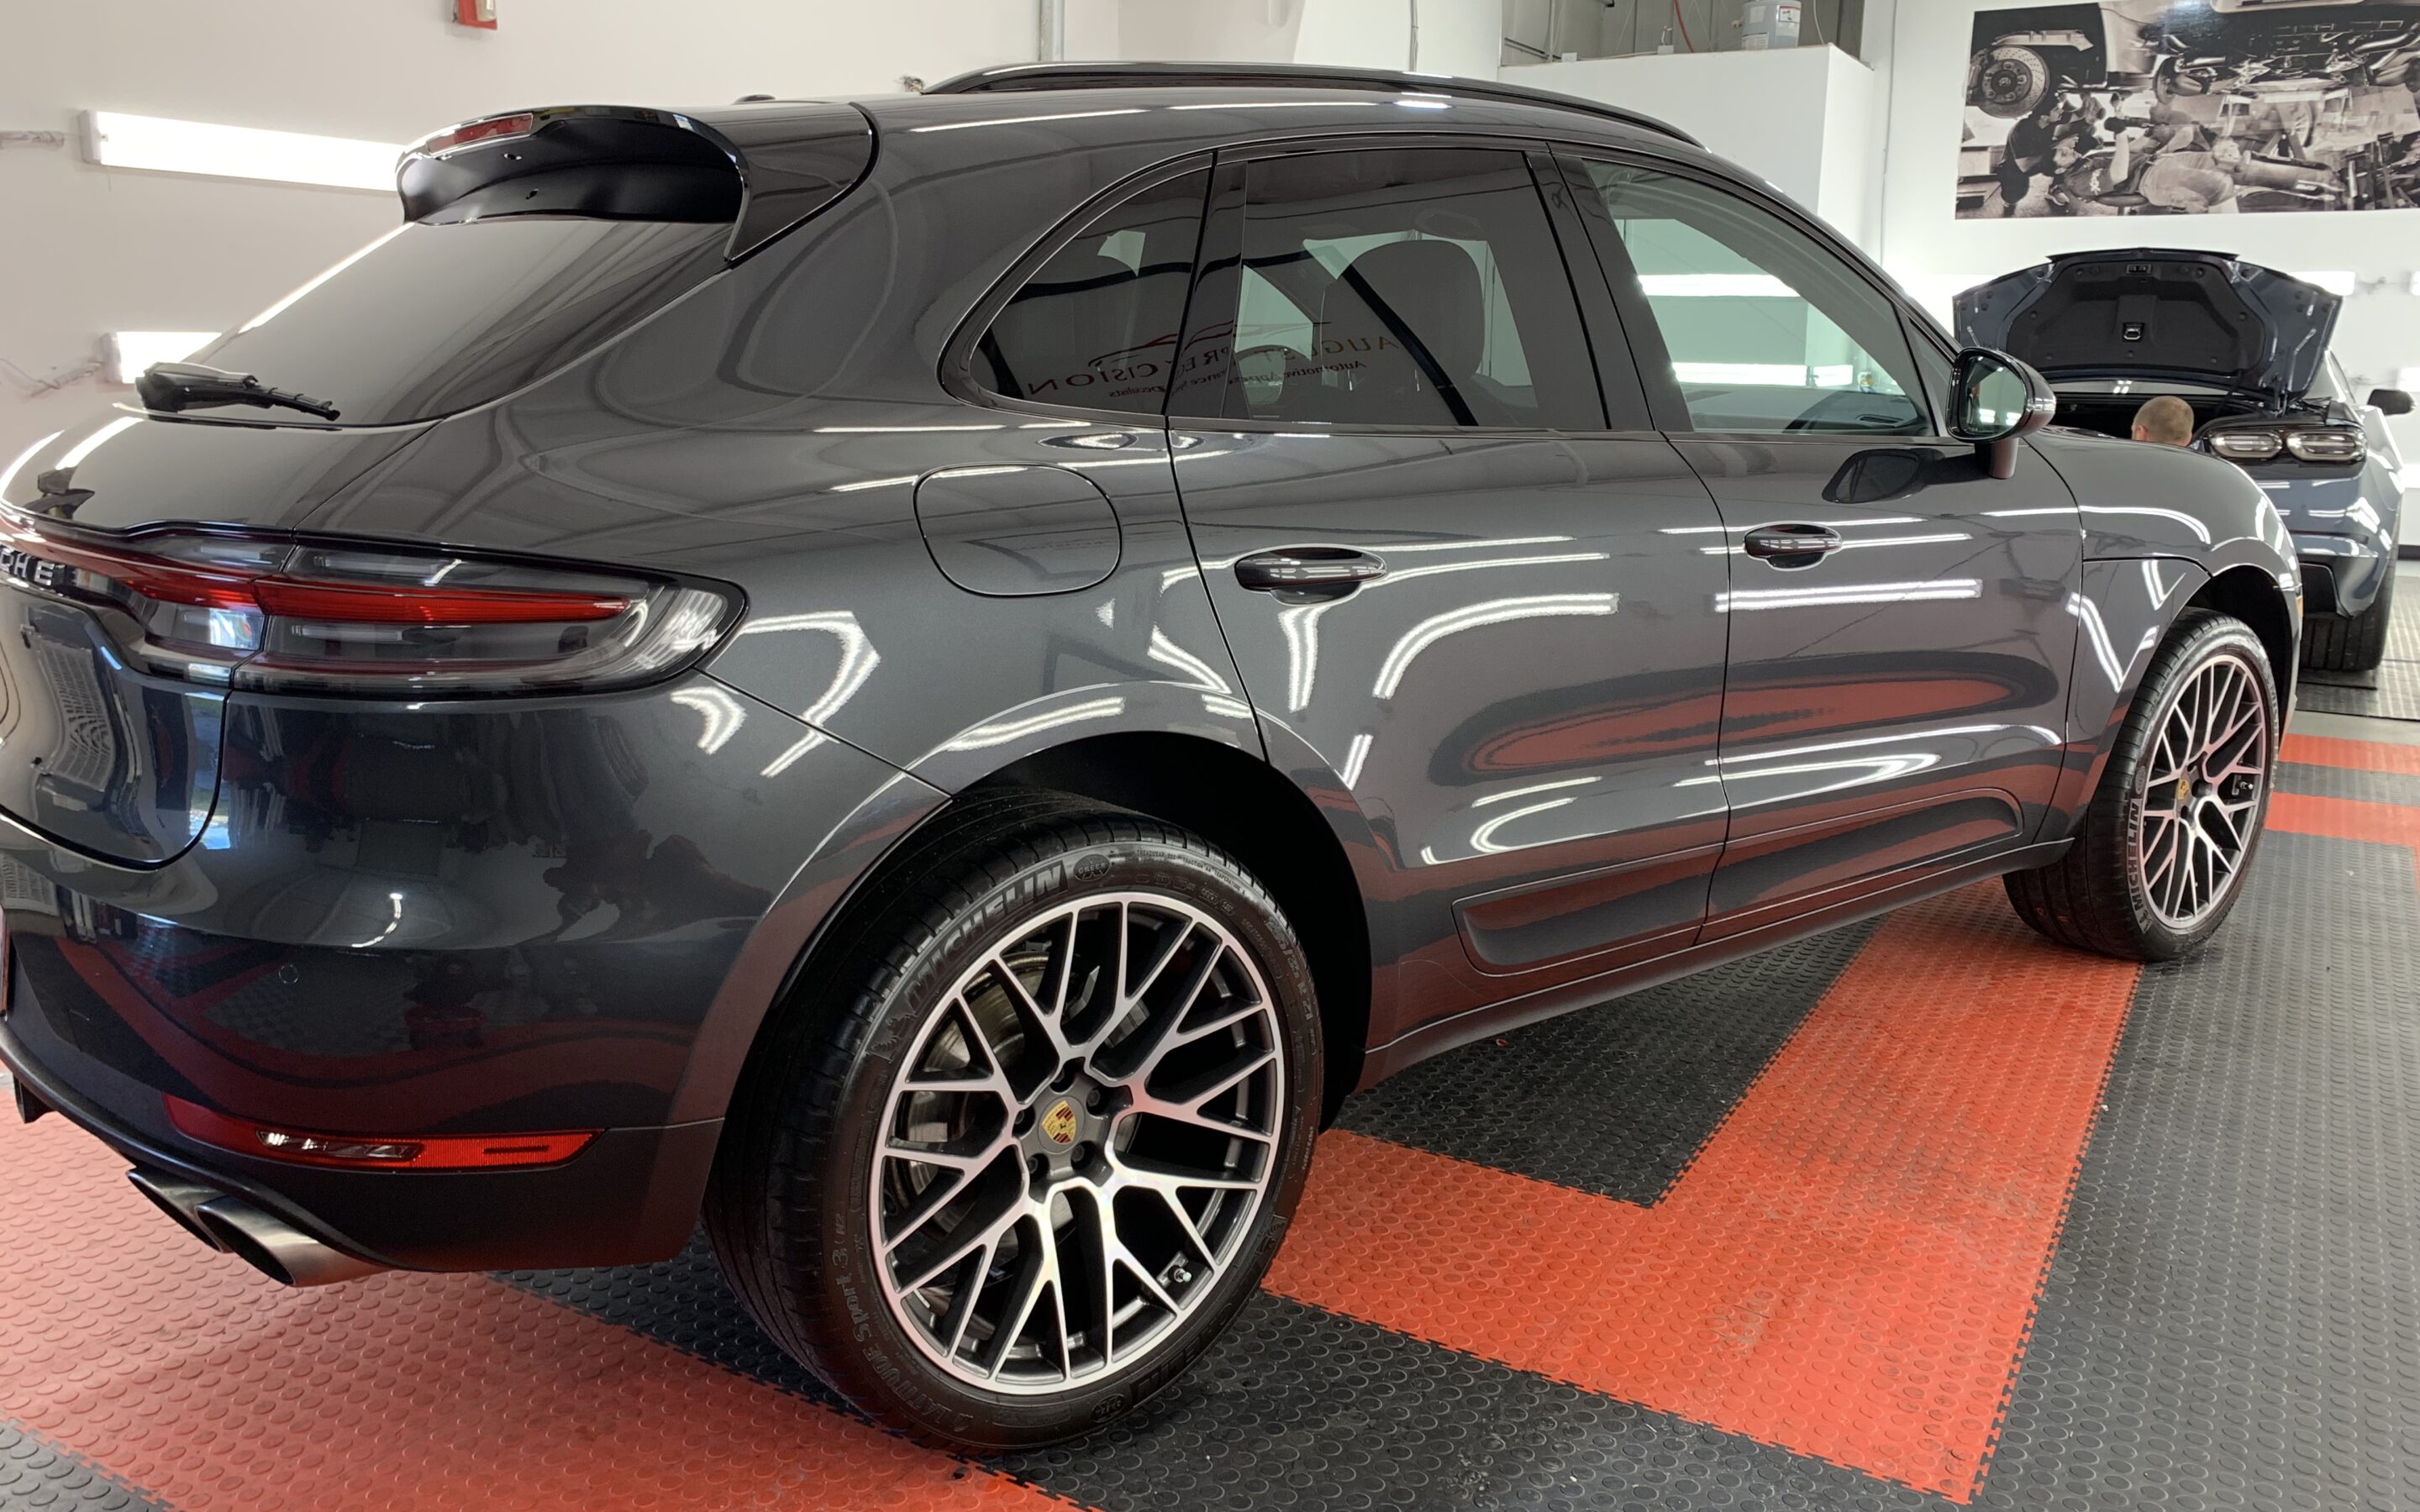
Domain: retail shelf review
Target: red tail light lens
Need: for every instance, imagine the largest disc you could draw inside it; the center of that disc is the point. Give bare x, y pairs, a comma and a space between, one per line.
415, 1152
277, 616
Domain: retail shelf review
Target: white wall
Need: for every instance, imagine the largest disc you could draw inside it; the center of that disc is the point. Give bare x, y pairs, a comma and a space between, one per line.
1458, 37
90, 250
1807, 119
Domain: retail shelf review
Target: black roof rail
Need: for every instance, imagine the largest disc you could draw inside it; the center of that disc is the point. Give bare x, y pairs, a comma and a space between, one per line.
1025, 76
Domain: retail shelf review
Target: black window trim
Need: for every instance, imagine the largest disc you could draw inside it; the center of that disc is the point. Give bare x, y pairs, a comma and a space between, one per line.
958, 353
1223, 239
1663, 394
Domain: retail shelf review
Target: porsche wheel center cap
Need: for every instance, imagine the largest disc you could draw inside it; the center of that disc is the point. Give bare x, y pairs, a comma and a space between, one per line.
1058, 1123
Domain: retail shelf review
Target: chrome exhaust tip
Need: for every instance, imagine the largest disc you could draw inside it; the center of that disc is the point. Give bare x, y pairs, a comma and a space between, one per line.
180, 1200
276, 1248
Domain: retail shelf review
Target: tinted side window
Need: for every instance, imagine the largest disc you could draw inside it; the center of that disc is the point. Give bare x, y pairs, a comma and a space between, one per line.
1406, 287
1766, 329
1096, 325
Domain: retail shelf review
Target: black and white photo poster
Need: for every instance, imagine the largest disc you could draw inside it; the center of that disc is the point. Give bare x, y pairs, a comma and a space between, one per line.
2193, 107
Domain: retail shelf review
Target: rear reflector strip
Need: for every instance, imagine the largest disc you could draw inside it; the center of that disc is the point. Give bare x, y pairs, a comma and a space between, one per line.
421, 605
415, 1153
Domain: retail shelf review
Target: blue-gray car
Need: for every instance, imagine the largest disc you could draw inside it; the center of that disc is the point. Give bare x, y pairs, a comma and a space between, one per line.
2248, 349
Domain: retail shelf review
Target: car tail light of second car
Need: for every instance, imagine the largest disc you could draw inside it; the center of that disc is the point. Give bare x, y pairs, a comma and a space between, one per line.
277, 615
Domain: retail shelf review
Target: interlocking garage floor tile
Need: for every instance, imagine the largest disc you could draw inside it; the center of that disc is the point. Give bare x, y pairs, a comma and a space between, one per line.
38, 1477
1631, 1092
1909, 1272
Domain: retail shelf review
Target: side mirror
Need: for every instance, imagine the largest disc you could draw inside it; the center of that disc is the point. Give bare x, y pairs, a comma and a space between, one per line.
1994, 400
2390, 402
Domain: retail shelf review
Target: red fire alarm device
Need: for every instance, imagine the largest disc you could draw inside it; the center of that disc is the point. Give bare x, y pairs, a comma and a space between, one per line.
480, 13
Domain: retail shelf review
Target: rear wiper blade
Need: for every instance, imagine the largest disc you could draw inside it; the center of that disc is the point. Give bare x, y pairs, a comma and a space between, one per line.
171, 387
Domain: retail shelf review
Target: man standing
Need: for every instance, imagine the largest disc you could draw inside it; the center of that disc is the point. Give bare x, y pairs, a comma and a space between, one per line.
2166, 421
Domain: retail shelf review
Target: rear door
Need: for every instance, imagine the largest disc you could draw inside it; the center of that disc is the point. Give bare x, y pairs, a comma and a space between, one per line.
1449, 583
1901, 625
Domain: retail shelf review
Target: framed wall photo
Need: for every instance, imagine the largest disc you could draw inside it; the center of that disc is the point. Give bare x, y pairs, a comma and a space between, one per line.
2191, 107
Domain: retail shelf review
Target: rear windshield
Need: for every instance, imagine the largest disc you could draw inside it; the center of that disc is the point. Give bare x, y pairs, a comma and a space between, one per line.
432, 320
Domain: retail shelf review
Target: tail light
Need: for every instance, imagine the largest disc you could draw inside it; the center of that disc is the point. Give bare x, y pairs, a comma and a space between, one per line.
281, 616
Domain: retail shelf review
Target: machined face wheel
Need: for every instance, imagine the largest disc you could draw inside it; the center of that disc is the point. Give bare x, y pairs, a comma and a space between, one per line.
1079, 1143
2203, 786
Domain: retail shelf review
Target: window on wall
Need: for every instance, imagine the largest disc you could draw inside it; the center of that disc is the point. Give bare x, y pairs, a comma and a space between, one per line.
1096, 327
1764, 329
1408, 287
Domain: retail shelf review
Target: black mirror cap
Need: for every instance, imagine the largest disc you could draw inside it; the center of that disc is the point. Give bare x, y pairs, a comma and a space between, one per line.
2391, 401
2023, 402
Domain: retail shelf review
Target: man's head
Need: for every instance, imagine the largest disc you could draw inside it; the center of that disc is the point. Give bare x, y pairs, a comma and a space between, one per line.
2166, 420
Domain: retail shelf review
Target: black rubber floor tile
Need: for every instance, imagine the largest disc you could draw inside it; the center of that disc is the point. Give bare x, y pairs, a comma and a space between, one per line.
1614, 1099
37, 1475
2344, 782
2231, 1317
1299, 1408
2108, 1416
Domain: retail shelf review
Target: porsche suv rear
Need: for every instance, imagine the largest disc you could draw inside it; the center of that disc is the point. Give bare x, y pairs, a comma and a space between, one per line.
336, 855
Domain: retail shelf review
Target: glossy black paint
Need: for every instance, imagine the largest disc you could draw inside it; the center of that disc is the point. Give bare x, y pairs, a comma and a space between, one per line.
575, 912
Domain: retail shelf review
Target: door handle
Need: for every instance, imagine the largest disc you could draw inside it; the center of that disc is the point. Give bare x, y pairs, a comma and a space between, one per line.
1308, 573
1793, 545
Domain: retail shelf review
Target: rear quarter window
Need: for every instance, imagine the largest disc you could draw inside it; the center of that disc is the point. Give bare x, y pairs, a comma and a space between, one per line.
1096, 327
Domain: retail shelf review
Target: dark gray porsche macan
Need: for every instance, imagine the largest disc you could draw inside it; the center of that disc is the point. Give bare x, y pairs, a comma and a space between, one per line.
935, 680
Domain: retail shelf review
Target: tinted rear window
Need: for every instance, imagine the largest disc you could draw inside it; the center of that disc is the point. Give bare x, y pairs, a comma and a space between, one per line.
430, 319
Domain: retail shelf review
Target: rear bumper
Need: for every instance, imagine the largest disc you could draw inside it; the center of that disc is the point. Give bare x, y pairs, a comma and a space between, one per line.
482, 919
631, 1197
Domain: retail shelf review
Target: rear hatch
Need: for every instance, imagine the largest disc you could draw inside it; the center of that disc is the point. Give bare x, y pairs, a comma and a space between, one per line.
2159, 315
134, 547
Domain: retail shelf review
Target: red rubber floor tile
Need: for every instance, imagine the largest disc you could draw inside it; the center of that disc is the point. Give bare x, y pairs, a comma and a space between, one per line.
182, 1373
1849, 1267
2356, 755
2389, 824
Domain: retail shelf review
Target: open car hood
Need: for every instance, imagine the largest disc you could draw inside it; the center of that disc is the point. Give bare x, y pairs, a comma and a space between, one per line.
2195, 316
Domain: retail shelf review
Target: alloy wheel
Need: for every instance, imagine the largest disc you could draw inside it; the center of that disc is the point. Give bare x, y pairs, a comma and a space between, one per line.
1077, 1145
2204, 784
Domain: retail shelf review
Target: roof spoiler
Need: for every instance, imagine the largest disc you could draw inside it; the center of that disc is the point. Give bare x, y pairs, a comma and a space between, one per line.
1023, 76
761, 168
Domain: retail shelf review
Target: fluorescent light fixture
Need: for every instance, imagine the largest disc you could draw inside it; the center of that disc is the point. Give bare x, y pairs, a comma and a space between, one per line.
1714, 286
2338, 282
2408, 380
1749, 374
115, 139
131, 351
2412, 476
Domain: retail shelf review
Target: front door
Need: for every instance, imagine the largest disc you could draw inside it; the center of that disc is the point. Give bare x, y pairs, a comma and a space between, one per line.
1902, 625
1449, 587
